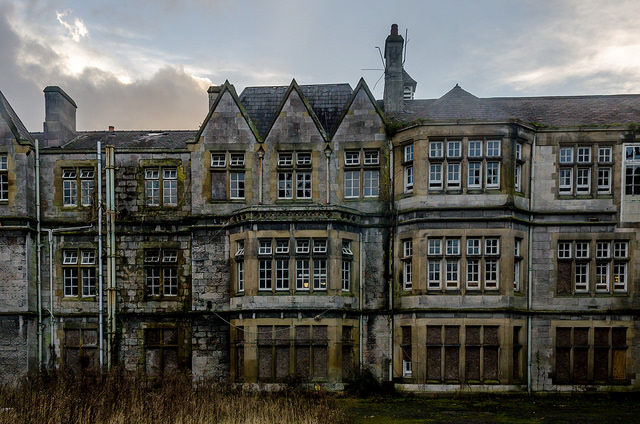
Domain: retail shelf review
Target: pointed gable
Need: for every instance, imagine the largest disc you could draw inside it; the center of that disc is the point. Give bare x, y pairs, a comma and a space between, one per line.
15, 125
459, 104
227, 120
295, 121
363, 119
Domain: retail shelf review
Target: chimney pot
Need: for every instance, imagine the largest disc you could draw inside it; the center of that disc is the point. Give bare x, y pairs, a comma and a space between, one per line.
112, 128
394, 29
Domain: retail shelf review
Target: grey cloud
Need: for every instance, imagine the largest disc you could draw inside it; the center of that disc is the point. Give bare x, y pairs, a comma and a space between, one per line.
169, 99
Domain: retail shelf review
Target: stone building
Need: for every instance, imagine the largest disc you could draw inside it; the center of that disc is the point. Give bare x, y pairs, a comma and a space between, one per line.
310, 231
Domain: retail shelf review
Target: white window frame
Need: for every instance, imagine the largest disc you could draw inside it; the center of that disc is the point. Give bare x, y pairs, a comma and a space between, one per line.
494, 148
454, 149
408, 179
582, 249
216, 161
452, 274
285, 159
495, 181
565, 182
408, 153
303, 246
351, 184
474, 246
265, 247
565, 250
478, 167
434, 247
565, 156
435, 176
583, 154
605, 154
371, 157
492, 246
582, 286
436, 149
473, 274
491, 274
434, 274
604, 180
602, 278
583, 187
452, 246
474, 149
453, 182
352, 158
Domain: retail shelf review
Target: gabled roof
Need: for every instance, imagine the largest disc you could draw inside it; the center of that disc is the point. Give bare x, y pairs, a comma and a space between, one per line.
227, 87
456, 105
407, 80
11, 118
554, 111
362, 85
327, 101
565, 111
131, 139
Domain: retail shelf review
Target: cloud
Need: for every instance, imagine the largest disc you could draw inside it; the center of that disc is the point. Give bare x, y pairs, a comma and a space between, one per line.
77, 30
106, 93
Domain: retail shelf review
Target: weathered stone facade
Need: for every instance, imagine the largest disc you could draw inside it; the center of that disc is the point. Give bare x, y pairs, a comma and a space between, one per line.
302, 234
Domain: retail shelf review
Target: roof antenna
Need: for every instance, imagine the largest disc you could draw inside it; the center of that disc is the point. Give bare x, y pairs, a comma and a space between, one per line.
406, 41
377, 69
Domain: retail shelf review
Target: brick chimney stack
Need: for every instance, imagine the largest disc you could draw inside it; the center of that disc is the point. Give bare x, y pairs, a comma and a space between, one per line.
393, 83
59, 117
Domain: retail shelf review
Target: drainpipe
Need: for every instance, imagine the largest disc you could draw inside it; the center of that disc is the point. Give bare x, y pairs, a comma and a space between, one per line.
327, 154
111, 268
50, 232
391, 259
260, 157
530, 267
39, 257
100, 289
360, 301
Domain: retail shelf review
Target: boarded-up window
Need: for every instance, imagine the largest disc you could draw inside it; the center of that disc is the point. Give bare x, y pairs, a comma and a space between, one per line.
303, 351
265, 352
240, 353
472, 353
563, 354
161, 351
434, 352
218, 185
564, 277
406, 347
490, 351
451, 353
283, 350
573, 349
319, 351
81, 349
517, 355
619, 353
347, 353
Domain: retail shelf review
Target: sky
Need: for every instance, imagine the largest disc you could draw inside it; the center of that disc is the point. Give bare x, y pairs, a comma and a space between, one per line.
146, 64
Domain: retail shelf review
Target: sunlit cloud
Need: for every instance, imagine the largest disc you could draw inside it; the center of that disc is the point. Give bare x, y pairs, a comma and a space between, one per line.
77, 29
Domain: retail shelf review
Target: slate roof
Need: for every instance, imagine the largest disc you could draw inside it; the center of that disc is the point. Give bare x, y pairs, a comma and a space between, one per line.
328, 101
556, 111
11, 118
131, 139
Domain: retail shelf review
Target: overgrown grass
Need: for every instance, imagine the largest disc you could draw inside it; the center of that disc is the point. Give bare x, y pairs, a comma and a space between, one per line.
117, 398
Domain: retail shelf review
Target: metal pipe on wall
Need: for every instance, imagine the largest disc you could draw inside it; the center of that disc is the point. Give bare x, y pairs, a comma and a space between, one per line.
100, 288
38, 256
111, 268
529, 263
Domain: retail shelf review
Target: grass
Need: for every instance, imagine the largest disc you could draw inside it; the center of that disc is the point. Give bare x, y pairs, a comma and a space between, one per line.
513, 409
124, 399
119, 398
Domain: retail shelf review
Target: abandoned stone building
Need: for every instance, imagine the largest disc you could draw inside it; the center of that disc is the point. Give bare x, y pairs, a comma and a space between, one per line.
311, 231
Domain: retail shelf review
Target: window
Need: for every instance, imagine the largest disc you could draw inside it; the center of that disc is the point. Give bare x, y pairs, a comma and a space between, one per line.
493, 148
434, 246
632, 170
493, 175
347, 263
282, 246
518, 151
566, 155
300, 172
308, 349
4, 177
584, 155
477, 361
604, 155
264, 247
609, 267
575, 172
590, 355
435, 176
72, 178
518, 178
407, 253
483, 264
227, 182
473, 246
453, 247
583, 181
361, 178
406, 348
408, 168
435, 149
475, 148
474, 179
79, 273
454, 149
240, 271
161, 351
161, 272
80, 349
453, 176
351, 158
517, 260
264, 274
434, 275
604, 180
161, 186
